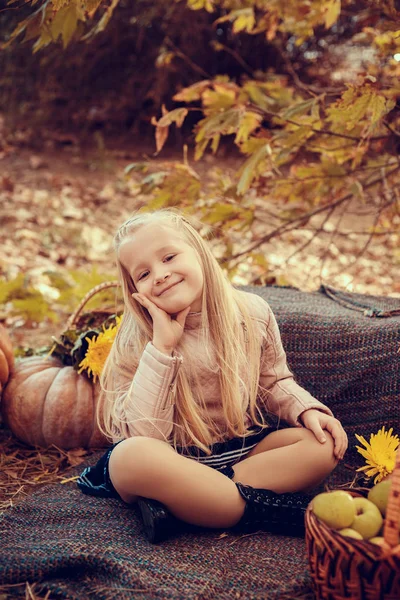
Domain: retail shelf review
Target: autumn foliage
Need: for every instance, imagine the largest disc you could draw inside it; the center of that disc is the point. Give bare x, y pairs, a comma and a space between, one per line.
314, 134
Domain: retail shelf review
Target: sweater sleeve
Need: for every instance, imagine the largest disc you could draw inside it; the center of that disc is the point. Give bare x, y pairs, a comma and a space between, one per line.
283, 397
146, 403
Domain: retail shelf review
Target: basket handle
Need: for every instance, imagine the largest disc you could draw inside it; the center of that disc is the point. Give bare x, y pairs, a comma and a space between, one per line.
99, 288
391, 529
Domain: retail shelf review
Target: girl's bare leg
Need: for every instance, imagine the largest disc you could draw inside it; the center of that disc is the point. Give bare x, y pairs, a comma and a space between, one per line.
287, 460
191, 491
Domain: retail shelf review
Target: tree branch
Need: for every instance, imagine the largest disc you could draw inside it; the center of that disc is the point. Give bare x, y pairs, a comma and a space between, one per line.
331, 238
308, 242
263, 111
346, 234
189, 61
294, 223
367, 243
237, 57
311, 89
391, 129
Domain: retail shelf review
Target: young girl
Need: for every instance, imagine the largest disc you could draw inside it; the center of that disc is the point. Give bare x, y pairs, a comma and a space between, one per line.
195, 368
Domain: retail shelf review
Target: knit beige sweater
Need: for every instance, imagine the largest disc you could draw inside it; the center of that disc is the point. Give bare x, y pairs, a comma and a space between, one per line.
147, 402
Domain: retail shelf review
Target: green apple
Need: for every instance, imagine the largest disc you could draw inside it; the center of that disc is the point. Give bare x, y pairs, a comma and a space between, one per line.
378, 540
379, 495
368, 519
336, 509
348, 532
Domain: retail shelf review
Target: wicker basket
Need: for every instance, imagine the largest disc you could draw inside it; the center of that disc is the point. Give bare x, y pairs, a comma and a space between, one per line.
73, 320
344, 568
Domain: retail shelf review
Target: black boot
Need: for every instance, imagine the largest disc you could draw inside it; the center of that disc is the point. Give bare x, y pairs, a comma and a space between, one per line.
269, 511
158, 523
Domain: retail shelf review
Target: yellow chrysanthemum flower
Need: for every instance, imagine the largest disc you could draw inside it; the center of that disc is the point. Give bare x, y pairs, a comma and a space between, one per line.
380, 453
98, 350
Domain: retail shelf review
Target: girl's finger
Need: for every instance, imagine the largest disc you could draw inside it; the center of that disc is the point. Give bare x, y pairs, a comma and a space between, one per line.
340, 449
335, 432
318, 432
343, 441
142, 299
144, 302
338, 434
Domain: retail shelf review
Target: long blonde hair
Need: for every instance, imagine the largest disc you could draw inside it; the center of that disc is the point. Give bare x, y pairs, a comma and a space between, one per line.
229, 331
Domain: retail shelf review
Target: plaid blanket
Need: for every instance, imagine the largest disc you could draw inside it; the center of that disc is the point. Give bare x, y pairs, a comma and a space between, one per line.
341, 347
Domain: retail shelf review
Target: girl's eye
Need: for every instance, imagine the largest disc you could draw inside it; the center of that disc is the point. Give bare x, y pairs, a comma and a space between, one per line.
167, 258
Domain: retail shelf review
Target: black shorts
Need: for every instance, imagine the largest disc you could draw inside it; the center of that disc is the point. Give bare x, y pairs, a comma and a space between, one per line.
96, 480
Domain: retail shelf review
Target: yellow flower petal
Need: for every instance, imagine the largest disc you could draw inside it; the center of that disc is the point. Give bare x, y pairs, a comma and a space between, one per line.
379, 452
361, 439
98, 350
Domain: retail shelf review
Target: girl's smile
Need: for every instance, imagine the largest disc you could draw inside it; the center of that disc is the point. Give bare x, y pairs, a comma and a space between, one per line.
169, 288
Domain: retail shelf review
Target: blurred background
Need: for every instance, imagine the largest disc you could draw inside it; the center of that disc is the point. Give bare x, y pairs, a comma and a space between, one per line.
276, 124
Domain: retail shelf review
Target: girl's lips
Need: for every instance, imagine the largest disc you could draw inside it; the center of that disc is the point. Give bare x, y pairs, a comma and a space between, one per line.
170, 288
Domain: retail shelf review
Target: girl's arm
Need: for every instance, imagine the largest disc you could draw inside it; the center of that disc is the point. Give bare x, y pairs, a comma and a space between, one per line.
285, 398
146, 408
145, 405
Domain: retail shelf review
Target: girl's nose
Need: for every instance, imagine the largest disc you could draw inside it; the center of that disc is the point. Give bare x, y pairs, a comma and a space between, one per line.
161, 278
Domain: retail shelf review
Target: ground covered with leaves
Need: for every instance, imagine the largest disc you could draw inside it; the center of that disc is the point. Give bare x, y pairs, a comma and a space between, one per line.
60, 208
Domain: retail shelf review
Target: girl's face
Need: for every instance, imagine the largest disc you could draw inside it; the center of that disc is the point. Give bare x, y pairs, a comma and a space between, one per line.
163, 267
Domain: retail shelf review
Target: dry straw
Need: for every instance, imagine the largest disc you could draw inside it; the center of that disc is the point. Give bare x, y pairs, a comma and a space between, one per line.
25, 591
23, 468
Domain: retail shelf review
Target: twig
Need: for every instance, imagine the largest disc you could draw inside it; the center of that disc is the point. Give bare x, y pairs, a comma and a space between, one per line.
193, 65
311, 89
294, 223
331, 238
237, 57
367, 243
308, 242
348, 233
346, 136
391, 129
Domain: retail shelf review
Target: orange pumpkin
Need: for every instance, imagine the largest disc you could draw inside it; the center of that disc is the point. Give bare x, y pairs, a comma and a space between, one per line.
47, 403
6, 356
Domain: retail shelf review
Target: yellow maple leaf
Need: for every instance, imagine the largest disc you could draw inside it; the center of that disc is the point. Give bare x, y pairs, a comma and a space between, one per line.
332, 13
244, 20
247, 124
219, 98
357, 104
193, 92
208, 5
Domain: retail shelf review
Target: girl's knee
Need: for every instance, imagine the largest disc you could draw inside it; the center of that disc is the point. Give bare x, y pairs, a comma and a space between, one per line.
135, 452
130, 461
325, 450
327, 453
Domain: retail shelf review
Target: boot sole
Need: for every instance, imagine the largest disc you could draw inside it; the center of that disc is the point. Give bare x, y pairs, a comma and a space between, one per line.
158, 523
